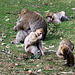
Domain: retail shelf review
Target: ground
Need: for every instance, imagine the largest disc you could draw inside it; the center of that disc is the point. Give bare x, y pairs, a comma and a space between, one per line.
13, 59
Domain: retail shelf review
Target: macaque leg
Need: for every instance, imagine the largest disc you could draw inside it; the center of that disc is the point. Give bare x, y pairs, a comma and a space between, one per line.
34, 50
40, 47
59, 54
20, 36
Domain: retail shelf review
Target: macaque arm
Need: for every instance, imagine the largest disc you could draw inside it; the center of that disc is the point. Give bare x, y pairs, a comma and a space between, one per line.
34, 38
40, 47
18, 26
59, 54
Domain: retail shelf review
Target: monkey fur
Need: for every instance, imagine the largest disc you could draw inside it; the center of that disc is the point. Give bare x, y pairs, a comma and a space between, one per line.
33, 42
56, 17
65, 51
31, 20
21, 35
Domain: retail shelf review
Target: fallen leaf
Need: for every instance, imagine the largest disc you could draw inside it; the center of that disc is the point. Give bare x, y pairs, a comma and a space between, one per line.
1, 39
29, 71
70, 72
37, 65
51, 28
58, 32
46, 48
7, 19
51, 46
43, 43
21, 45
61, 38
73, 8
3, 44
52, 50
8, 46
16, 64
47, 11
39, 70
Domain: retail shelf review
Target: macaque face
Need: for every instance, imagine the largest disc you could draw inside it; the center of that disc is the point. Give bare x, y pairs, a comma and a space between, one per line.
49, 16
41, 36
64, 50
23, 11
39, 33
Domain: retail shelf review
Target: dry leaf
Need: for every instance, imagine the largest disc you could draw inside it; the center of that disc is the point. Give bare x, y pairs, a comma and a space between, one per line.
73, 8
1, 39
70, 72
61, 38
3, 44
51, 46
7, 19
46, 48
39, 70
29, 71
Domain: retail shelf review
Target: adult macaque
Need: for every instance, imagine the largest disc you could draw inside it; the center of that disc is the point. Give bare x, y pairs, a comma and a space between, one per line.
33, 42
21, 35
56, 17
65, 51
31, 20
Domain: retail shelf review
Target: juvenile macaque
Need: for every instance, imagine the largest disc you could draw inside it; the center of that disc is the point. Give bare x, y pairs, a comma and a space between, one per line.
65, 51
33, 42
56, 17
21, 35
31, 20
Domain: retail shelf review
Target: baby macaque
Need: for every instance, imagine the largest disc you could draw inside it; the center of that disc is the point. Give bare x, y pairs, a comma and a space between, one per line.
56, 17
21, 35
33, 42
65, 51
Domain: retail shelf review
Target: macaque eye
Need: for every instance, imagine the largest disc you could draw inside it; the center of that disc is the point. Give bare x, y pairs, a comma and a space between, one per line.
40, 33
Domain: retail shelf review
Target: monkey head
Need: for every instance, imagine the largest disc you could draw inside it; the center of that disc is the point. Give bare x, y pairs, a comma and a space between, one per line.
49, 16
23, 11
39, 32
64, 49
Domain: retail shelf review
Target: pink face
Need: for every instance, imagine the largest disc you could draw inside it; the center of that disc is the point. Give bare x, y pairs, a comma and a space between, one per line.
49, 19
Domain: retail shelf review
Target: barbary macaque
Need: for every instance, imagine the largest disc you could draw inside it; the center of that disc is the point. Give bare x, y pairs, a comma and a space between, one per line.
56, 17
21, 35
33, 42
65, 51
31, 20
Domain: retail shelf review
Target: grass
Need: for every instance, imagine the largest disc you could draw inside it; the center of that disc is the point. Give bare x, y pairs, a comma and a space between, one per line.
12, 60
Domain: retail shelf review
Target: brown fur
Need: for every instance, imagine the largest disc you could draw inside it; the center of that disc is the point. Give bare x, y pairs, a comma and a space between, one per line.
31, 20
65, 51
33, 42
56, 17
